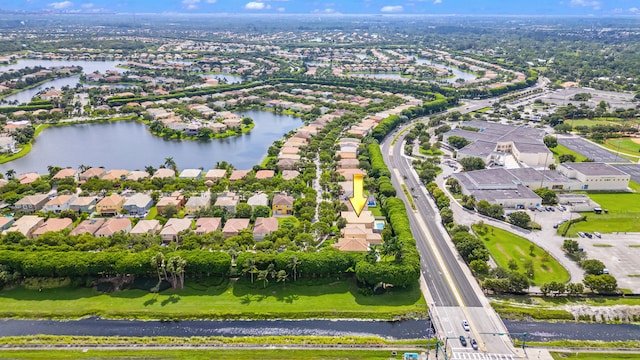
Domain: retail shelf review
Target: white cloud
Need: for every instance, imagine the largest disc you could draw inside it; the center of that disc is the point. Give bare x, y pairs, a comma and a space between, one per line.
634, 10
324, 11
190, 4
211, 1
437, 1
281, 9
588, 3
87, 6
257, 5
61, 5
392, 8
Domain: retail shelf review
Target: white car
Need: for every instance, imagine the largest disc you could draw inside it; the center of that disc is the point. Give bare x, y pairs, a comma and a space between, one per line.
465, 325
597, 234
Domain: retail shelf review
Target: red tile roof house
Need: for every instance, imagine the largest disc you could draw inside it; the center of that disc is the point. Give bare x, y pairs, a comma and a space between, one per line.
59, 203
53, 224
171, 230
65, 173
282, 204
114, 225
263, 227
176, 200
89, 226
206, 225
91, 173
233, 227
151, 227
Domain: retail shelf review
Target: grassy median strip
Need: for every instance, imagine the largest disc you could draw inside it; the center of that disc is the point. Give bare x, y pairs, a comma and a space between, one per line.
240, 354
232, 300
593, 355
409, 197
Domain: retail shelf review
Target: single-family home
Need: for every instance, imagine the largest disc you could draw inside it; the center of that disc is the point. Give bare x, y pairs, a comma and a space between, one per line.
65, 173
110, 205
282, 204
6, 222
233, 123
84, 204
115, 174
366, 218
151, 227
258, 199
215, 174
139, 203
228, 200
233, 227
196, 203
59, 203
163, 173
89, 226
290, 174
263, 227
175, 199
31, 203
238, 175
170, 231
113, 226
190, 174
52, 224
136, 175
265, 174
93, 172
352, 244
25, 225
28, 178
206, 225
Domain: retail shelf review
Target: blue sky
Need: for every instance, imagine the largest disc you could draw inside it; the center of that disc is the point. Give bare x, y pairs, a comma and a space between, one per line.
475, 7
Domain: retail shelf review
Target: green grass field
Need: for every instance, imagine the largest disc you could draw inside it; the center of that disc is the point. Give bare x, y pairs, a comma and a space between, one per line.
505, 246
624, 212
547, 302
593, 356
324, 298
624, 145
275, 354
560, 149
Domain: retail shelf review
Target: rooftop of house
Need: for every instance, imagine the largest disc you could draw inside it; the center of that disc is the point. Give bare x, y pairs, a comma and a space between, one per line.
235, 225
264, 225
281, 199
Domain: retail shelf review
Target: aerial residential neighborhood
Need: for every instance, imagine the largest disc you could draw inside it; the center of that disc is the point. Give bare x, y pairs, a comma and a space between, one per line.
389, 185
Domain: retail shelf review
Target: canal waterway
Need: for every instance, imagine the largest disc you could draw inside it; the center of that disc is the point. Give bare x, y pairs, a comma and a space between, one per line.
408, 329
129, 145
457, 73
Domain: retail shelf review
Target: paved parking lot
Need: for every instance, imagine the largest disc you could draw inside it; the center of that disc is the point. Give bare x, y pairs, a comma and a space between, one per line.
590, 150
615, 99
631, 169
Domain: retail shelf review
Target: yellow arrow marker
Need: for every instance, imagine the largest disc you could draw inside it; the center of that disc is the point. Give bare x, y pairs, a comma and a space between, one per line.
357, 201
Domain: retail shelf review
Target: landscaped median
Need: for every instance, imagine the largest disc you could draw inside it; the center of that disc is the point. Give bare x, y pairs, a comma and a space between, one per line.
234, 299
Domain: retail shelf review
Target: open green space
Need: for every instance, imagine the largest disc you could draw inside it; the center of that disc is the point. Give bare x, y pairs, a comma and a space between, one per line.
634, 186
323, 298
560, 149
623, 145
593, 122
623, 215
275, 354
558, 301
593, 356
506, 247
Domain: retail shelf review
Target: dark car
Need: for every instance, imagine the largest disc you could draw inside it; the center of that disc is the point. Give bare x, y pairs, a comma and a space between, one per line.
474, 344
463, 341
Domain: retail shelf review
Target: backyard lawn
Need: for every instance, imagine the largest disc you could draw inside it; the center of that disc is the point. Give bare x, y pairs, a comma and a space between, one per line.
505, 246
624, 212
325, 298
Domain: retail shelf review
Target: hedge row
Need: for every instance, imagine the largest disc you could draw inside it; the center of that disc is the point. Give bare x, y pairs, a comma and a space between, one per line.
76, 264
378, 167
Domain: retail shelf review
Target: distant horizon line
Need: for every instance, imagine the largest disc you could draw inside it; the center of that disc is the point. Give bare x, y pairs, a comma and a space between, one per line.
271, 14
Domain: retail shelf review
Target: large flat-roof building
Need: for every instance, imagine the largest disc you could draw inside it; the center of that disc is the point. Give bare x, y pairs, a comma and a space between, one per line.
493, 141
596, 176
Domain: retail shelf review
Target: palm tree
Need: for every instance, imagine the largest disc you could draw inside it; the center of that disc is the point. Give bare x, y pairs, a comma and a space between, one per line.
263, 276
158, 263
170, 163
282, 277
150, 169
293, 264
250, 267
10, 174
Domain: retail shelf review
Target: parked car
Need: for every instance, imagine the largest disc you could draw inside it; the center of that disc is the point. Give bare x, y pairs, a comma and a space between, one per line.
474, 344
597, 234
588, 235
463, 341
581, 234
465, 325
